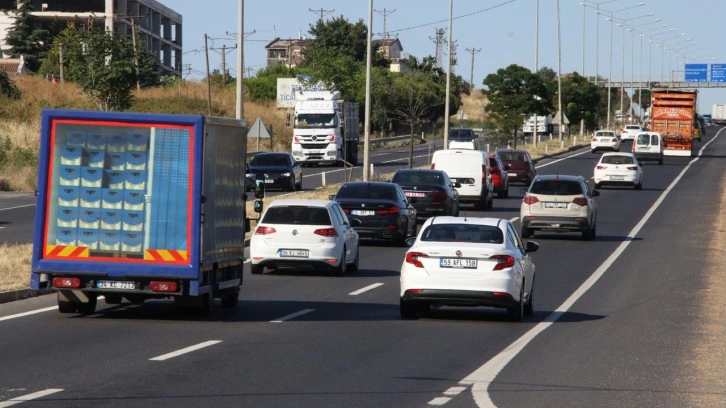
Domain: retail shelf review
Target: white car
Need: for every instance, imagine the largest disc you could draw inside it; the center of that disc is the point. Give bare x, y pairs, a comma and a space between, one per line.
468, 261
299, 233
629, 132
618, 169
604, 140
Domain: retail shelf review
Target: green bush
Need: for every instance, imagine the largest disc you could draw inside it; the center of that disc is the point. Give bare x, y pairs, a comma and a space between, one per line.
7, 87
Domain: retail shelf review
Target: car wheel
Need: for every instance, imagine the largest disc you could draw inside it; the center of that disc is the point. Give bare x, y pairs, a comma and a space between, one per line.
506, 191
516, 312
292, 184
593, 151
588, 233
298, 186
401, 241
639, 186
526, 232
353, 268
598, 185
529, 306
660, 161
408, 309
341, 269
256, 269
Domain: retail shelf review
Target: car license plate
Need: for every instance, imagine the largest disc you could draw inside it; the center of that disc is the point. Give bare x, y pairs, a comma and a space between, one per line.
617, 177
269, 181
554, 225
295, 253
106, 284
362, 212
550, 204
415, 194
458, 263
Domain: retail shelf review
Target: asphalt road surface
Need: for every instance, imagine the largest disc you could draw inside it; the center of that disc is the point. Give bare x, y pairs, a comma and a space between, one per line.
616, 324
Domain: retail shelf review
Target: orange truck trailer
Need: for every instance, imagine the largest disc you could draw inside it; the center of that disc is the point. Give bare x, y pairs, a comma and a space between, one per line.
673, 116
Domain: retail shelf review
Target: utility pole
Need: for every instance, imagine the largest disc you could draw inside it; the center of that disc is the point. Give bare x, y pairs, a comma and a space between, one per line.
321, 11
224, 64
136, 50
438, 40
472, 51
385, 14
60, 57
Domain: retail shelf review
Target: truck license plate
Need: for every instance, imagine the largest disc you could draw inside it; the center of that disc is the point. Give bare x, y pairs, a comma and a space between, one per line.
106, 284
458, 263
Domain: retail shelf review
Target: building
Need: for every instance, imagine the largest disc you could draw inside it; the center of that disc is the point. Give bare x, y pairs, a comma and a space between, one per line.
159, 27
289, 52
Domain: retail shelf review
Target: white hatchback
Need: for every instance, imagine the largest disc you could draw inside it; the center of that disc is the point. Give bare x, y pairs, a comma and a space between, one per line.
468, 261
604, 140
618, 169
298, 233
629, 132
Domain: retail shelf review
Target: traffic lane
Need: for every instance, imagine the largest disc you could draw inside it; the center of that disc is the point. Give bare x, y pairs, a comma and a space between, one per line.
643, 351
17, 212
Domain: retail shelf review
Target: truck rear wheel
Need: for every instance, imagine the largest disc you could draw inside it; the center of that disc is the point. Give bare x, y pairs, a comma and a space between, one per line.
65, 306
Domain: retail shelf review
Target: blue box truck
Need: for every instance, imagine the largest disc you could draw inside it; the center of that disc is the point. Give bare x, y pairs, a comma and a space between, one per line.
139, 206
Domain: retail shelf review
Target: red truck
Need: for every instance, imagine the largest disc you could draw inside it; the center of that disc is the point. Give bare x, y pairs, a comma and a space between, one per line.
673, 116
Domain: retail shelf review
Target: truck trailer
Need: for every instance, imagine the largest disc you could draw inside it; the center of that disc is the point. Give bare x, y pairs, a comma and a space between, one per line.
674, 117
325, 129
139, 206
718, 114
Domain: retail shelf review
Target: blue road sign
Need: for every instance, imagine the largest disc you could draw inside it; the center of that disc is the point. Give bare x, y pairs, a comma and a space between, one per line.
696, 73
718, 72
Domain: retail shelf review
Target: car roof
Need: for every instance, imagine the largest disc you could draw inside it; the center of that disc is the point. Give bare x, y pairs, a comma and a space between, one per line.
292, 202
420, 171
446, 219
632, 126
513, 151
361, 183
559, 177
618, 154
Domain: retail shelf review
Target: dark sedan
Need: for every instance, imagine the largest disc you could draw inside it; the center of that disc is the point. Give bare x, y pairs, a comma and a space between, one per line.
430, 191
382, 209
279, 169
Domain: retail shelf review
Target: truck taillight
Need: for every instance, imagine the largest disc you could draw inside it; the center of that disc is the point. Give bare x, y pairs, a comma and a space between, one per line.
66, 282
581, 201
331, 138
529, 200
413, 258
503, 261
265, 231
161, 286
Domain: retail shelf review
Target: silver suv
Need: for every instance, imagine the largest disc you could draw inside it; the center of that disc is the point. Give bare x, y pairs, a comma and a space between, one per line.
559, 203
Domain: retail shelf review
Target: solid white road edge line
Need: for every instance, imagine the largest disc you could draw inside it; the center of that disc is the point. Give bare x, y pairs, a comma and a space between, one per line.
185, 350
367, 288
292, 316
20, 206
485, 375
32, 312
29, 397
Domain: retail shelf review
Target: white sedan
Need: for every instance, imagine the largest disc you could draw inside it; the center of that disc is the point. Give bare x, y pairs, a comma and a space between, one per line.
299, 233
618, 169
468, 261
604, 140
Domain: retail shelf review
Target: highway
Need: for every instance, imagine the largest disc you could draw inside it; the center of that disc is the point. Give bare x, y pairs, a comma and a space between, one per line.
619, 321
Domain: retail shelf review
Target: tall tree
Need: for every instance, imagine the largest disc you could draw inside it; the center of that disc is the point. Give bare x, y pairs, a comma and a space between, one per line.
514, 92
105, 69
27, 37
580, 98
415, 95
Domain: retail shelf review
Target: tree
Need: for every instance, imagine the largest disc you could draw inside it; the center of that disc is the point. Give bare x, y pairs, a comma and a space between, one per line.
580, 98
415, 94
104, 69
514, 92
26, 37
7, 87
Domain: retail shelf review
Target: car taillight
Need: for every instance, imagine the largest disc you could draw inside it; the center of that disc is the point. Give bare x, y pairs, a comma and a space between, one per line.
581, 201
503, 261
614, 140
594, 139
386, 211
346, 210
66, 283
262, 230
326, 232
601, 167
413, 258
632, 167
529, 200
437, 194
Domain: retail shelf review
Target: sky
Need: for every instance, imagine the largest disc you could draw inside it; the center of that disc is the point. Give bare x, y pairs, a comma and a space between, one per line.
492, 33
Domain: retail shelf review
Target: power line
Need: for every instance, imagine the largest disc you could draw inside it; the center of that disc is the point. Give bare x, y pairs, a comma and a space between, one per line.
321, 11
455, 18
472, 51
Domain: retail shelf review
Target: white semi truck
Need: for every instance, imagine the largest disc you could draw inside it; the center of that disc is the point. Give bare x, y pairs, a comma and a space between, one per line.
325, 129
544, 125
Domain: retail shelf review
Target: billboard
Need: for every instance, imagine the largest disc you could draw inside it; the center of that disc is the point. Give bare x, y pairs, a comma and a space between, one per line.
288, 87
718, 72
696, 73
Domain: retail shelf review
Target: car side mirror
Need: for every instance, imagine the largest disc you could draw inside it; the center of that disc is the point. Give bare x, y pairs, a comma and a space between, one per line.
523, 190
331, 197
410, 241
531, 246
259, 185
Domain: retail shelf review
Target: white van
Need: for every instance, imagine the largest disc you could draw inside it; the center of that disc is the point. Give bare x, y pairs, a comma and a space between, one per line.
648, 146
469, 168
464, 144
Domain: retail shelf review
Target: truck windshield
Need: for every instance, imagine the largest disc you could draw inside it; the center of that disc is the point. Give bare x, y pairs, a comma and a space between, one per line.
315, 120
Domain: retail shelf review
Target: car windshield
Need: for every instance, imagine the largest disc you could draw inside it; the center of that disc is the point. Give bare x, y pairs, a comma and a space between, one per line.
556, 187
478, 234
374, 191
269, 160
416, 178
505, 156
318, 120
297, 215
617, 160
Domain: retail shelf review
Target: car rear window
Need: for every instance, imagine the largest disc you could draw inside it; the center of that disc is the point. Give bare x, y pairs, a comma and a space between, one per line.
511, 156
478, 234
270, 160
462, 134
374, 191
556, 187
605, 134
297, 215
416, 178
617, 160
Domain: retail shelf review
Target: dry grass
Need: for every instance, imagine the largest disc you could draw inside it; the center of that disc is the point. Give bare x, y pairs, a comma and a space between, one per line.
15, 266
